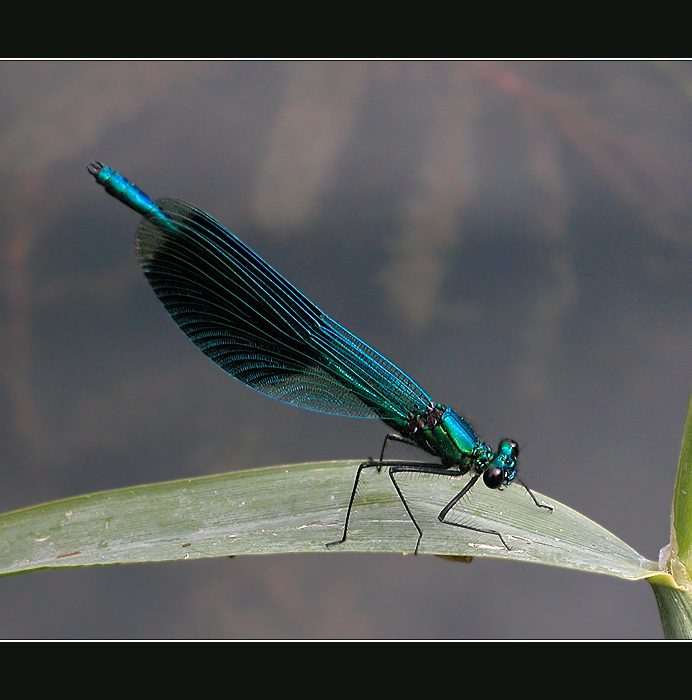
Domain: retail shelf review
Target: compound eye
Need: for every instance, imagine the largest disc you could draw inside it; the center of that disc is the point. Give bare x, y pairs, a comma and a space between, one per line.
493, 477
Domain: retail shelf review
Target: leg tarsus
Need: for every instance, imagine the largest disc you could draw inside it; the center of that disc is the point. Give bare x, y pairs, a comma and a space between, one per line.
476, 529
533, 497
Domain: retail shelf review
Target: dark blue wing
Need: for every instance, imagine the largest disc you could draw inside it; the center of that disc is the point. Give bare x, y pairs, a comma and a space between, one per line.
255, 325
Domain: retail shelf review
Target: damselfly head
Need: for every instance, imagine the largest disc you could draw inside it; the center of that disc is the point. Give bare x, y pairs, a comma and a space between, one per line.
503, 468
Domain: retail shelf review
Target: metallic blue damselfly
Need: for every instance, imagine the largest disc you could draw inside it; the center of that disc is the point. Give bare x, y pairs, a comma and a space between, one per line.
259, 328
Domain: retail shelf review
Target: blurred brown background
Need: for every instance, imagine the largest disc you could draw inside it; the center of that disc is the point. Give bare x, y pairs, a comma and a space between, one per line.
515, 235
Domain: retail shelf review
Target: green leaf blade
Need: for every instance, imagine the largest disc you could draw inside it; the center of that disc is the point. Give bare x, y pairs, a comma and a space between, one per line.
673, 588
299, 508
681, 535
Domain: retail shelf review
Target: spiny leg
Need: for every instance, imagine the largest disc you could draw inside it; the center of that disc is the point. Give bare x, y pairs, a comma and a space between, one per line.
533, 497
429, 469
443, 514
395, 437
364, 465
370, 463
420, 468
378, 464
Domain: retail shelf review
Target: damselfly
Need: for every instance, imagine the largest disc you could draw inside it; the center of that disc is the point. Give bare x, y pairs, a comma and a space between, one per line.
259, 328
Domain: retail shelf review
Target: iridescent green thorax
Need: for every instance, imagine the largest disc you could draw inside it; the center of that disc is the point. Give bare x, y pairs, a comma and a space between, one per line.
441, 431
